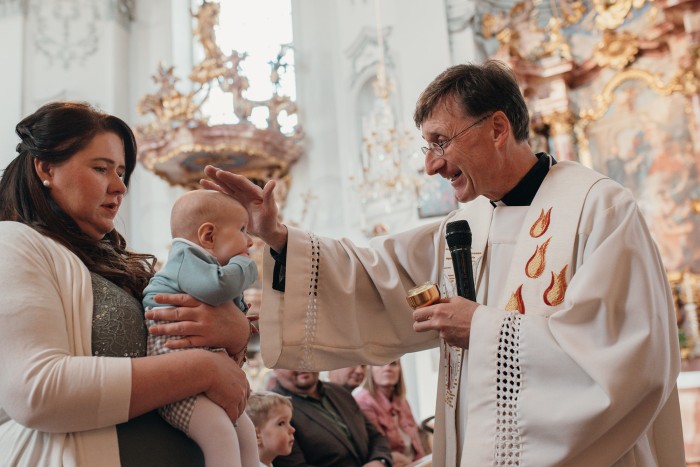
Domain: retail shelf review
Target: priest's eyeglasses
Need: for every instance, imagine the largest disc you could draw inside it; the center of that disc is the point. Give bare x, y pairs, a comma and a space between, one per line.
439, 148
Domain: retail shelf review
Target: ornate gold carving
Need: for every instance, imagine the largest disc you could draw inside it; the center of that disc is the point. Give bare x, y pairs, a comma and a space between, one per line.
556, 43
688, 78
560, 123
488, 25
695, 205
685, 81
179, 143
605, 98
544, 37
612, 13
574, 14
616, 49
169, 105
179, 156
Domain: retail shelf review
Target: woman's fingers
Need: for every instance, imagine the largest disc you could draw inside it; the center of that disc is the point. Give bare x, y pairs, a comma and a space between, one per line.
179, 299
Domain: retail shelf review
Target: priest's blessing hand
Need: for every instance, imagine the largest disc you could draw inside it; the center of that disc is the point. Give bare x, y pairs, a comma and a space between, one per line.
263, 214
451, 317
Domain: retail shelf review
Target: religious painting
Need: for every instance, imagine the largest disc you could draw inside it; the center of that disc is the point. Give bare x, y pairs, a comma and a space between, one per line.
643, 141
435, 197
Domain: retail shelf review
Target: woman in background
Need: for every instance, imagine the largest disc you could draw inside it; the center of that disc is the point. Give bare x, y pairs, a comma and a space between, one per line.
382, 398
76, 388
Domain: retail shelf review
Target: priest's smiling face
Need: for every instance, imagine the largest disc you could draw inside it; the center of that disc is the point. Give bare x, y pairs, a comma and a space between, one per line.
474, 160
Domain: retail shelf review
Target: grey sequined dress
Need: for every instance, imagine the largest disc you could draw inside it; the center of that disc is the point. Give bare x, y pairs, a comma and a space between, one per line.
119, 330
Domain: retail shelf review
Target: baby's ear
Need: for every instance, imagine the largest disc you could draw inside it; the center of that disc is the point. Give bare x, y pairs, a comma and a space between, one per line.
258, 437
205, 233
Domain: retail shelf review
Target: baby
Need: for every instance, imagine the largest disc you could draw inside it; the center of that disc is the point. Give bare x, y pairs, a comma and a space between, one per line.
271, 414
209, 260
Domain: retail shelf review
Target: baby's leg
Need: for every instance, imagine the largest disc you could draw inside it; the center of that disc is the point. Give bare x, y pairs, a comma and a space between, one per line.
248, 441
215, 434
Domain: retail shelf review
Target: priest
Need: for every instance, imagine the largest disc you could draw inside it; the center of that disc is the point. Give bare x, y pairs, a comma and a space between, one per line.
567, 356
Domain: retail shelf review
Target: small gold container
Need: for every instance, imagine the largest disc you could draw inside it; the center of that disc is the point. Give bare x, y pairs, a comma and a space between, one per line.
423, 295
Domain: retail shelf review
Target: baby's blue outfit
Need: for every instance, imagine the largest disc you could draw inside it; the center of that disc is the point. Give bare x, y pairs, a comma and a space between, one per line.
192, 270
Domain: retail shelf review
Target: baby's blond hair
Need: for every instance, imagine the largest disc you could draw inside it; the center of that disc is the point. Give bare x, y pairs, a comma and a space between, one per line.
260, 403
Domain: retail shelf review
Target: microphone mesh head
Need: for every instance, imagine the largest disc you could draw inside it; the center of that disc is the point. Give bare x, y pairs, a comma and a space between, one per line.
458, 234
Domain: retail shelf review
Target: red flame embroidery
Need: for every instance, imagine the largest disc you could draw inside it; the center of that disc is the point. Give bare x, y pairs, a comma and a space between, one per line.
516, 301
554, 294
536, 264
541, 224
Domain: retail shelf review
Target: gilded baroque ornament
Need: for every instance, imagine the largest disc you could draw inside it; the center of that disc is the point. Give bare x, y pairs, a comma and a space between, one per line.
612, 13
560, 123
616, 49
686, 81
179, 142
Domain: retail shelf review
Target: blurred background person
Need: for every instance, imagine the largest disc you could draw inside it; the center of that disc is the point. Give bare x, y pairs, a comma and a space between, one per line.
382, 398
350, 378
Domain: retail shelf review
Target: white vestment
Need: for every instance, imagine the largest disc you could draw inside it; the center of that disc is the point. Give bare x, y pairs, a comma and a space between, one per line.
586, 376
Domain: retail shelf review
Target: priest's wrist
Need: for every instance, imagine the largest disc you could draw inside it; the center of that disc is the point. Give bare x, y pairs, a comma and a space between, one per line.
278, 240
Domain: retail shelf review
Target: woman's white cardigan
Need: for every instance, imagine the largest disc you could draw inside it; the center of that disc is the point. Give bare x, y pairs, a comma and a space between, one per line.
58, 404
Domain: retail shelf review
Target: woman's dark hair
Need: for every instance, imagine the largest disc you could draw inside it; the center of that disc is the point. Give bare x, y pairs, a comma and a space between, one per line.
479, 90
53, 134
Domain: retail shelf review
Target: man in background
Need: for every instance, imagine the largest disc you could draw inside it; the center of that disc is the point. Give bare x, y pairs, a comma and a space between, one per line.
350, 377
331, 430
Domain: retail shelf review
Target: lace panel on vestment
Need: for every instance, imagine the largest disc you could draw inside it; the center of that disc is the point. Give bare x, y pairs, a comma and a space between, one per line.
508, 443
312, 307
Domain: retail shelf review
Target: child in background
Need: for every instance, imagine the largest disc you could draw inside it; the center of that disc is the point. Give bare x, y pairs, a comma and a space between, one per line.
271, 414
210, 261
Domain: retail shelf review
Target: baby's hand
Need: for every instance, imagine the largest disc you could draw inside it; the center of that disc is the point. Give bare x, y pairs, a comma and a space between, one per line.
240, 357
252, 320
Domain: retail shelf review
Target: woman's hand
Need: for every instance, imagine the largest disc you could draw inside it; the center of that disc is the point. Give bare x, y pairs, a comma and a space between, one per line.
164, 379
229, 386
199, 324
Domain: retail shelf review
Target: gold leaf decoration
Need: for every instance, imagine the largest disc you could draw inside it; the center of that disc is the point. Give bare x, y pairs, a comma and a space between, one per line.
616, 49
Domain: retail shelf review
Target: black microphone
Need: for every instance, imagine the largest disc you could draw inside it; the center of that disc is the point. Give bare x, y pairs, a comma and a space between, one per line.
459, 240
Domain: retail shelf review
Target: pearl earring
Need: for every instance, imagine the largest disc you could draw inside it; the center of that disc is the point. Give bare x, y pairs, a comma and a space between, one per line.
46, 183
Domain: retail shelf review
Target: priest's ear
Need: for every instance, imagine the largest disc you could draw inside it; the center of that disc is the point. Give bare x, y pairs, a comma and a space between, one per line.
501, 129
